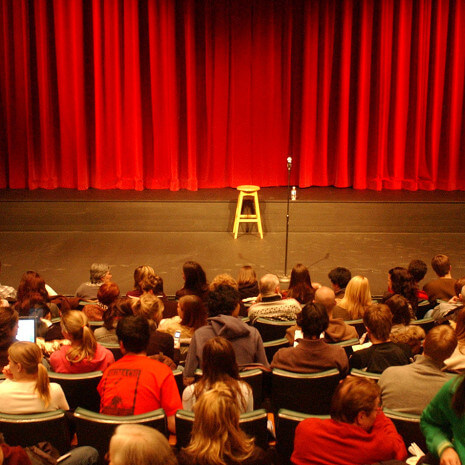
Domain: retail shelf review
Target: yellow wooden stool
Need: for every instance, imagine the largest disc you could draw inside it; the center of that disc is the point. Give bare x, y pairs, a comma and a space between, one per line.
247, 191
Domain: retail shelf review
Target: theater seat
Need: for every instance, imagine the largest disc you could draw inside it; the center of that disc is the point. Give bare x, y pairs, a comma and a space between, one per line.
27, 430
272, 329
271, 347
408, 426
365, 374
303, 392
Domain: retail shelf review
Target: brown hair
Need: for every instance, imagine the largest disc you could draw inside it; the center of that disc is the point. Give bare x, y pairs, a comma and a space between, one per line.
152, 282
29, 356
378, 319
440, 264
458, 286
439, 343
194, 311
300, 285
8, 320
108, 293
75, 324
246, 275
219, 364
31, 293
354, 395
140, 273
223, 280
149, 306
400, 310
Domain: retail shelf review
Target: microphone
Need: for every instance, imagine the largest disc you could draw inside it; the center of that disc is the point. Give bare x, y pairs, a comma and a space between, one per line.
289, 162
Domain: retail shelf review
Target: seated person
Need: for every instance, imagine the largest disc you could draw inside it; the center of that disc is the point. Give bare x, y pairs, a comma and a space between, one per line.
337, 329
84, 354
357, 298
106, 295
99, 274
192, 315
216, 436
153, 284
219, 365
358, 432
140, 273
410, 388
418, 269
27, 388
312, 353
119, 309
135, 383
8, 329
456, 362
151, 308
195, 281
441, 288
383, 352
223, 308
270, 304
339, 278
140, 445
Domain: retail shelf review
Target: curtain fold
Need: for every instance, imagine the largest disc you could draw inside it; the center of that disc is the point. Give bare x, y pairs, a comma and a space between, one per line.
189, 94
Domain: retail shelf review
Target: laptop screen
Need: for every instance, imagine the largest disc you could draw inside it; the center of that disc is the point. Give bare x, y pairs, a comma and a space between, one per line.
27, 329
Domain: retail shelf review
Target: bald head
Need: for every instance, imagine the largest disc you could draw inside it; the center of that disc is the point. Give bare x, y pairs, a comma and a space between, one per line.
325, 295
268, 285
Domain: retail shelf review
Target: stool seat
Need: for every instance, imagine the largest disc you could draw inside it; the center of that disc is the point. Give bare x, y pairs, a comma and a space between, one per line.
247, 190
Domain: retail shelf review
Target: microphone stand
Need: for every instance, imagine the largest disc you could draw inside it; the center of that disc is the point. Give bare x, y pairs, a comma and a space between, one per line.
285, 278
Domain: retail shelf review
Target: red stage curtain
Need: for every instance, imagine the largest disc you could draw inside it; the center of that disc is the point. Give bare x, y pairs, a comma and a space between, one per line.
170, 94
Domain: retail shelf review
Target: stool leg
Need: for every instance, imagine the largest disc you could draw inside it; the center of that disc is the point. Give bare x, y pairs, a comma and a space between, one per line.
257, 213
238, 214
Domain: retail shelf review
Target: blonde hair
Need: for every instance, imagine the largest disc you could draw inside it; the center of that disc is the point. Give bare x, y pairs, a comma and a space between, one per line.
357, 297
216, 436
75, 324
149, 306
140, 445
29, 356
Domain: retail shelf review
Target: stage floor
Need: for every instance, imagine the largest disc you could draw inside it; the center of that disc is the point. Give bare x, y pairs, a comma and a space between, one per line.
60, 233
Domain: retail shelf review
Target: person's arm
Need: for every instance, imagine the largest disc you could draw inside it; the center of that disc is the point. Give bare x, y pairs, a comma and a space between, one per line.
188, 398
356, 359
436, 421
385, 430
59, 396
170, 400
192, 362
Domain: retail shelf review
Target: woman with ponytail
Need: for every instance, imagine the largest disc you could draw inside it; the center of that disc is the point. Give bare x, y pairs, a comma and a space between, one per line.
84, 354
27, 388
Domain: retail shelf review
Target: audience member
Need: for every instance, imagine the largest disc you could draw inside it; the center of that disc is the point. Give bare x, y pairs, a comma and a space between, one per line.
120, 308
140, 273
442, 423
84, 354
356, 299
418, 269
247, 282
358, 432
151, 308
99, 274
401, 282
447, 311
135, 383
337, 329
312, 353
192, 315
300, 285
270, 304
8, 330
27, 388
223, 308
219, 365
32, 298
456, 362
402, 330
106, 295
223, 279
339, 278
216, 436
140, 445
195, 281
153, 284
441, 288
410, 388
382, 353
6, 292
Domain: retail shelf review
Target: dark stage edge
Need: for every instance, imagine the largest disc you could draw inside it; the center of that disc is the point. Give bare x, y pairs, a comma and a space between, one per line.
60, 232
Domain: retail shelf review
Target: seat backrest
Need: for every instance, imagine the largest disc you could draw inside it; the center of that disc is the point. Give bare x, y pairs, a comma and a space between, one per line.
303, 392
27, 430
272, 329
179, 380
80, 389
286, 423
95, 429
365, 374
358, 325
425, 323
408, 426
271, 347
254, 378
253, 423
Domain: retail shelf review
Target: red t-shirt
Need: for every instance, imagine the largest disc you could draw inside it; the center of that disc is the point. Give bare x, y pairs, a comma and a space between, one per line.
136, 384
